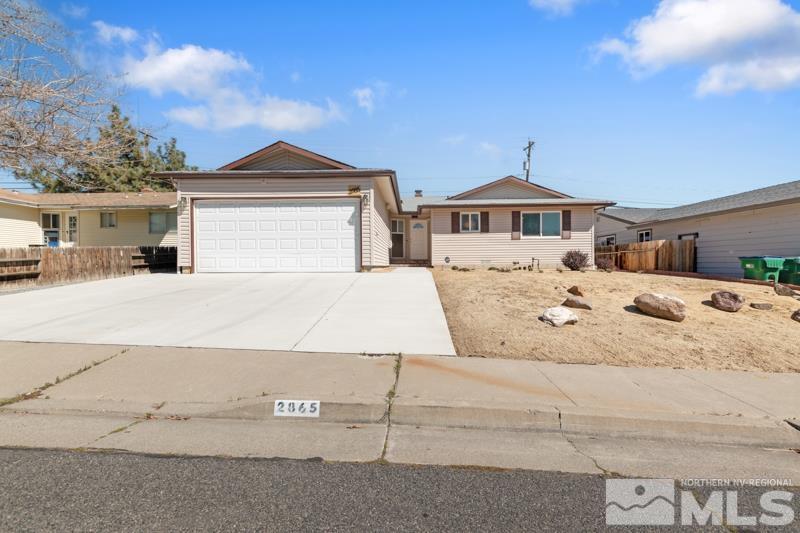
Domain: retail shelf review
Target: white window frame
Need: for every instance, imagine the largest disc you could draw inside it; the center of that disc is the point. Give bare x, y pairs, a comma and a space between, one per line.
541, 225
108, 226
168, 224
469, 224
398, 225
602, 239
639, 233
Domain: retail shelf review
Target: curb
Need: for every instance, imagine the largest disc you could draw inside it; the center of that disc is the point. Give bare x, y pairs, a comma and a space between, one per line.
712, 429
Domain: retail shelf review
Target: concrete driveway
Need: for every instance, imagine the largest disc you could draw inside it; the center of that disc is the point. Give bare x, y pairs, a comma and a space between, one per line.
381, 312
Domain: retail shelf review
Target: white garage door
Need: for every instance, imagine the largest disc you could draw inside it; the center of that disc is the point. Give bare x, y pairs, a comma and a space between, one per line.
277, 235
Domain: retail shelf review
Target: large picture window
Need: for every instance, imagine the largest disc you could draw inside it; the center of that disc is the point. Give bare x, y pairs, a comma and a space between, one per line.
470, 222
542, 224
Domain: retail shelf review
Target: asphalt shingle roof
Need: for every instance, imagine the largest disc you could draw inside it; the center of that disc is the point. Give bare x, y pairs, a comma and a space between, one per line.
629, 214
784, 192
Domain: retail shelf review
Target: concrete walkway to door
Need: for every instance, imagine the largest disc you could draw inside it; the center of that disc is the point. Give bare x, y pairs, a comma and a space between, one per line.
382, 312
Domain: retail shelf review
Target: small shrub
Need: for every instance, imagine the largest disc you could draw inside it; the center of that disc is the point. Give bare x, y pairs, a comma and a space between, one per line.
454, 267
604, 263
491, 269
575, 259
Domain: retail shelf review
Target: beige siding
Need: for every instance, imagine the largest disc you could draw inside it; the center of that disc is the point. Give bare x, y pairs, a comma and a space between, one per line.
509, 190
381, 230
724, 238
184, 233
497, 247
607, 226
19, 226
284, 160
273, 188
133, 229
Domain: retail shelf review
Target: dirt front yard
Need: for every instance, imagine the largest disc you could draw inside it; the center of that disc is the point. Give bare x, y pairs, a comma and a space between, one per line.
495, 314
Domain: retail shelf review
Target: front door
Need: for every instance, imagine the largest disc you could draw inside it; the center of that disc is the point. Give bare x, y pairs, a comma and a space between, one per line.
72, 229
398, 238
419, 239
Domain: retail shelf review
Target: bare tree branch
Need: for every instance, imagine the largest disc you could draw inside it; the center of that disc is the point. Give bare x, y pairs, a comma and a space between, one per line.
50, 109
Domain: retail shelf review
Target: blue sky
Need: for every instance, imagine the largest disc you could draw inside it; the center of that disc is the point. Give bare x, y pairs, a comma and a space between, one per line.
643, 102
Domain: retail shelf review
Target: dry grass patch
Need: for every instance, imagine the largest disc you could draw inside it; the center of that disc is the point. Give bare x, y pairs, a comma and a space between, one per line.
495, 314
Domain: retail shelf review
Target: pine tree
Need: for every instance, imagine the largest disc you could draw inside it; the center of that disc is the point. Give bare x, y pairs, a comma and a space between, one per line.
131, 169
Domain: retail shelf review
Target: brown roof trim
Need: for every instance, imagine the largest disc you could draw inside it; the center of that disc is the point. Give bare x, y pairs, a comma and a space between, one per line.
282, 145
315, 173
576, 202
516, 180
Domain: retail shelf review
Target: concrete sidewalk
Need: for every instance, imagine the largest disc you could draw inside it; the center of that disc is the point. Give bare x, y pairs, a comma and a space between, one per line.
398, 408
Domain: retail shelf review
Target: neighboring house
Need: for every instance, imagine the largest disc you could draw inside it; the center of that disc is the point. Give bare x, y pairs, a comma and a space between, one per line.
760, 222
611, 225
287, 209
88, 219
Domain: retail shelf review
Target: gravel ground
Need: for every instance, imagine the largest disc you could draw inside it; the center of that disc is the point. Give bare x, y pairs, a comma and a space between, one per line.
495, 314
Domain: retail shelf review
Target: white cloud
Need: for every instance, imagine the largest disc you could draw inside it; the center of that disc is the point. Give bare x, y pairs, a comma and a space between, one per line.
188, 70
455, 140
555, 7
365, 98
74, 11
490, 149
109, 33
369, 96
743, 44
215, 81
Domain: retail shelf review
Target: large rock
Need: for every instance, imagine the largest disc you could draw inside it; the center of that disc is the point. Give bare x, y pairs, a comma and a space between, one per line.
783, 290
576, 290
727, 301
558, 316
576, 302
761, 306
796, 315
661, 306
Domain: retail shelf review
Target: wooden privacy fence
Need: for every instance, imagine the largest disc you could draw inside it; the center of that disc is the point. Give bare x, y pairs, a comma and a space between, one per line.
21, 267
673, 256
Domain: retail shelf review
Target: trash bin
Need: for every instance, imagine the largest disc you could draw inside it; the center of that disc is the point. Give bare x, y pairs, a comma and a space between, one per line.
791, 271
765, 268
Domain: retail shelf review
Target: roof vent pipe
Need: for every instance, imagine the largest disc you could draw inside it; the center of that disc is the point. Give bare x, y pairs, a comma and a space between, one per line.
418, 193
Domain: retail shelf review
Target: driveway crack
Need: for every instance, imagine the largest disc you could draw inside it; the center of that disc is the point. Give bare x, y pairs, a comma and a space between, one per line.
323, 315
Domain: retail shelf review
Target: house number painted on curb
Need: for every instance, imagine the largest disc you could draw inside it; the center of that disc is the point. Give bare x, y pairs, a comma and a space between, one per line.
297, 408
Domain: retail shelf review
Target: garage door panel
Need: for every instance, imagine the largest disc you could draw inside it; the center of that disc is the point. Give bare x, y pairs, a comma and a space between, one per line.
275, 236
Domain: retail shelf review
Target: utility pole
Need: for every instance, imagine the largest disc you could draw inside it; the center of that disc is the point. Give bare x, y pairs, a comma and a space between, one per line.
528, 149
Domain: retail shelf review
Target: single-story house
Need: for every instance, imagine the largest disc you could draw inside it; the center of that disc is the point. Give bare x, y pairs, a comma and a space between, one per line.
611, 225
88, 219
760, 222
287, 209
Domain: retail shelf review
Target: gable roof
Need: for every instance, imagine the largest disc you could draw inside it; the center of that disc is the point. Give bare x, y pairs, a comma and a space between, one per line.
630, 215
509, 179
410, 203
282, 146
782, 193
69, 200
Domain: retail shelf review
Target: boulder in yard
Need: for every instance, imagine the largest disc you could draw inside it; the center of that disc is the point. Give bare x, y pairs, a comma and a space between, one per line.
796, 315
576, 302
661, 306
558, 316
761, 306
783, 290
727, 301
576, 290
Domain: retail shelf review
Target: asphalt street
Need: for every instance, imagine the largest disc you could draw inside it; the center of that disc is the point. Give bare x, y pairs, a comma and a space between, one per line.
45, 490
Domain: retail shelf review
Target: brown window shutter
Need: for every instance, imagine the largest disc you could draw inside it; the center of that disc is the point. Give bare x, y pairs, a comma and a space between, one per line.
455, 222
484, 221
515, 234
566, 224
